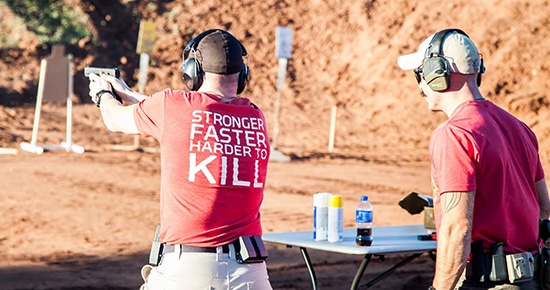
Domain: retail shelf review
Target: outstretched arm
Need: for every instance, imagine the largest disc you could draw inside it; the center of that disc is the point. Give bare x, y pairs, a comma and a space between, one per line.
117, 117
129, 96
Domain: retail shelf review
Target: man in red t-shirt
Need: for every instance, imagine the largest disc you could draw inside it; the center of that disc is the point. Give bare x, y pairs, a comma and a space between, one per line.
487, 178
214, 152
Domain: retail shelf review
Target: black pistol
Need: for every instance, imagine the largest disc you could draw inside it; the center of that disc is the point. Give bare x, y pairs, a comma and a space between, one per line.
115, 72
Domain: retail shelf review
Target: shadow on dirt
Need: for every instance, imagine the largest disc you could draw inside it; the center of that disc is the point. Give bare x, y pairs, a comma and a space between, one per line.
286, 268
117, 272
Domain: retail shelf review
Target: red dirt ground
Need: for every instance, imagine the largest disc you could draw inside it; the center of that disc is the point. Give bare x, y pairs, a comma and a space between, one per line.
73, 221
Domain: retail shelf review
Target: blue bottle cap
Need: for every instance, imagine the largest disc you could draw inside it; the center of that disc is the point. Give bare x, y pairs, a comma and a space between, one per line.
364, 198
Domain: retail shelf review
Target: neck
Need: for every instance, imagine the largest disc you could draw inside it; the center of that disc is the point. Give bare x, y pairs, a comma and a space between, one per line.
468, 91
223, 98
219, 85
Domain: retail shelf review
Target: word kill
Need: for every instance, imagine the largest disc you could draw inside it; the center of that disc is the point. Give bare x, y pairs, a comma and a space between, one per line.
227, 138
195, 168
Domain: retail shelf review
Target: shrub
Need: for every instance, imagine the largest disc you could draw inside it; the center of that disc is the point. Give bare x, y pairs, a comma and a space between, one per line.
52, 21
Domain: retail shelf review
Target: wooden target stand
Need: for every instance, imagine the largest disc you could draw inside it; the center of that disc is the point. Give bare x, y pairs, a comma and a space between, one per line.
143, 65
8, 150
146, 41
55, 84
134, 147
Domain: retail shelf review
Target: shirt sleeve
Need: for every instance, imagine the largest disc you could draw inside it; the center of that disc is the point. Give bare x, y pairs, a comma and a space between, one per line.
149, 115
454, 156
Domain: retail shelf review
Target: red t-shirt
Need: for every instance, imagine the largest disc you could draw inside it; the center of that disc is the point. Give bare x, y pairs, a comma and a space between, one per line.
484, 148
214, 158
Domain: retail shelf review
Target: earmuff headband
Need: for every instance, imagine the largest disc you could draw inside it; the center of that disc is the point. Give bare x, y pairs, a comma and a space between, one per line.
436, 69
192, 69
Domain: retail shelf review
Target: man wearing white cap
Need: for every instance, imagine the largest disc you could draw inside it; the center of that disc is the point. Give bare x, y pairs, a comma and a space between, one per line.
487, 179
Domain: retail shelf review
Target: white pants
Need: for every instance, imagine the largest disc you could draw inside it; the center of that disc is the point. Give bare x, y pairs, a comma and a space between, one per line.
204, 271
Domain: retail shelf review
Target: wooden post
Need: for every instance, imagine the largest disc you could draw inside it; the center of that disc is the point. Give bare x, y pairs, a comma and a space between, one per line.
332, 129
145, 45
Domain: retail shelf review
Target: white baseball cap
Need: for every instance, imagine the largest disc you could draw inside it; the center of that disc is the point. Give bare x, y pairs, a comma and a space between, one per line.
458, 49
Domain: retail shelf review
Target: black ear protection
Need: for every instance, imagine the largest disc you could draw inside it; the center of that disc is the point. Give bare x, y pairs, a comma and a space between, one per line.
436, 70
192, 71
481, 69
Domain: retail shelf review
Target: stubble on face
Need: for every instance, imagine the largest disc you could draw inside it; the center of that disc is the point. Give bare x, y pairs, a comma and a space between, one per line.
422, 94
425, 97
431, 101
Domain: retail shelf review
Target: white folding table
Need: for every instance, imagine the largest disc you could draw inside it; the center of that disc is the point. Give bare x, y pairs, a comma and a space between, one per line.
388, 240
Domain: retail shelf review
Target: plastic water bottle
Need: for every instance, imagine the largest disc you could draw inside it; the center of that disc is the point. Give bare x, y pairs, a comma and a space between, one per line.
363, 219
320, 216
335, 219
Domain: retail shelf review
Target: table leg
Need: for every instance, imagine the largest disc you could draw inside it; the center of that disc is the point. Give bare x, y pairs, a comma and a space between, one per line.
383, 275
360, 271
433, 256
309, 268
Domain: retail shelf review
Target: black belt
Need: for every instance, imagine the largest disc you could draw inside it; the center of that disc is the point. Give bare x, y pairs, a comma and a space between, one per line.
166, 248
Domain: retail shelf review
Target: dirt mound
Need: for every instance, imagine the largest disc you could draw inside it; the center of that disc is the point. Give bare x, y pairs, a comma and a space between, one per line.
344, 55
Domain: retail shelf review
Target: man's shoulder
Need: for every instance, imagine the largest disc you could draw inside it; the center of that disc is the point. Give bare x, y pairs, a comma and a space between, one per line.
173, 92
173, 95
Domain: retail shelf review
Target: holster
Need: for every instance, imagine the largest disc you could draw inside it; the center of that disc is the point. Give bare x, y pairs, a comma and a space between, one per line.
496, 266
544, 268
155, 254
250, 250
544, 259
487, 267
544, 229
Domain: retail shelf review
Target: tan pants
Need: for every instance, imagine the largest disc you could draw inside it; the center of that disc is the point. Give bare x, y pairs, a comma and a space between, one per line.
145, 272
204, 271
